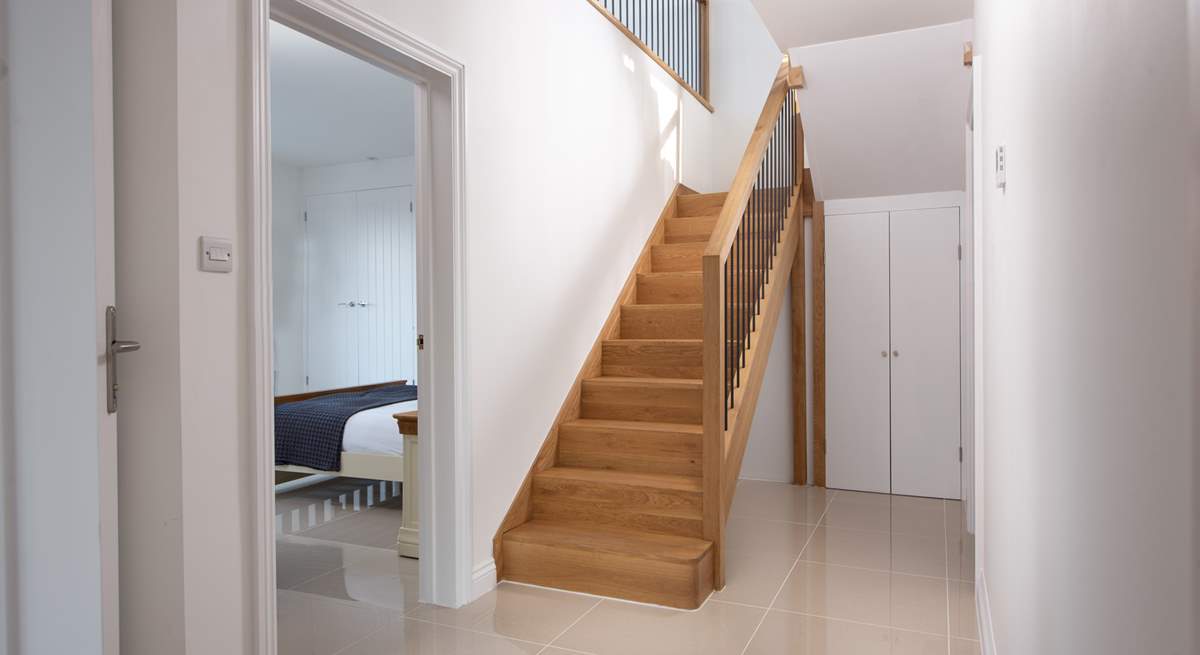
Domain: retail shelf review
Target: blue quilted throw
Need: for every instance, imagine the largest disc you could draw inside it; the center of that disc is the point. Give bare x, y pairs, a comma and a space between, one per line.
309, 432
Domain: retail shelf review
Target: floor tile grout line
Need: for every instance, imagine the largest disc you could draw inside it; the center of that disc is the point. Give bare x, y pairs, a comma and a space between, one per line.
573, 624
795, 563
406, 617
868, 624
867, 568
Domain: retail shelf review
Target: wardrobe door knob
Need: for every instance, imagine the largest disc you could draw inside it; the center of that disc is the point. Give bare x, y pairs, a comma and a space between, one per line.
883, 353
895, 353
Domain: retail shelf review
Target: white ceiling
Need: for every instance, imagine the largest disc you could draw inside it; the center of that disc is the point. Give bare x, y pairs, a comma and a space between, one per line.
805, 22
328, 107
886, 115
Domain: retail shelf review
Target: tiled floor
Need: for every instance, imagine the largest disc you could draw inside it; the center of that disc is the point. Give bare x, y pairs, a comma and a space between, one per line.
810, 572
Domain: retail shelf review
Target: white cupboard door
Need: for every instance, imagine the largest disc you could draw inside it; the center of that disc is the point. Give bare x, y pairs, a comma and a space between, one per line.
925, 353
386, 315
333, 255
856, 342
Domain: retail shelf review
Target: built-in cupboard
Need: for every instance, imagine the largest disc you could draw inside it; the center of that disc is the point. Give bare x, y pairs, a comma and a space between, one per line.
892, 352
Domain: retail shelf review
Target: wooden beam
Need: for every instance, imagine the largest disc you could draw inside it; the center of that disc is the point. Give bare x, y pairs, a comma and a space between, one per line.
799, 339
968, 53
818, 237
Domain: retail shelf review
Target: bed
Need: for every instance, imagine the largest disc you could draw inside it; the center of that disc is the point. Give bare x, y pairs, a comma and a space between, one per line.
378, 440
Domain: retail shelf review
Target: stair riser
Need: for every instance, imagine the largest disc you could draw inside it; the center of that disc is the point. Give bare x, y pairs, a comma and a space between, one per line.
671, 289
636, 403
676, 258
664, 511
674, 584
700, 204
687, 230
662, 322
651, 360
637, 452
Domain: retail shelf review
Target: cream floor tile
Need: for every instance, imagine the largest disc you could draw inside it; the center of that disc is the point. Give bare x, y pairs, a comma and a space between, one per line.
516, 611
961, 557
554, 650
375, 527
964, 647
759, 555
876, 597
310, 507
779, 502
796, 634
618, 628
963, 621
381, 579
300, 560
883, 551
409, 637
314, 625
897, 514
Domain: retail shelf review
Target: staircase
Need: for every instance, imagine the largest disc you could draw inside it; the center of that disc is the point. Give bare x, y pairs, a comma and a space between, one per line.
629, 493
620, 513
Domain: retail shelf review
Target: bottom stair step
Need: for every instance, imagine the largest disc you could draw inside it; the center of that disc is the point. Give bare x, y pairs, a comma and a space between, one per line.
640, 566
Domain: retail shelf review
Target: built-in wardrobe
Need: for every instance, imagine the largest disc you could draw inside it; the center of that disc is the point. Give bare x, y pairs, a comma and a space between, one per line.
892, 299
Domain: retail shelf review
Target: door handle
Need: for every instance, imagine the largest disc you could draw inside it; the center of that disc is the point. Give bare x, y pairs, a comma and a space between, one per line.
115, 347
895, 353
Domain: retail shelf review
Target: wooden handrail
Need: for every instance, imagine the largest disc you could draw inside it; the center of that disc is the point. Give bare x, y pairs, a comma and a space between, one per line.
700, 94
747, 170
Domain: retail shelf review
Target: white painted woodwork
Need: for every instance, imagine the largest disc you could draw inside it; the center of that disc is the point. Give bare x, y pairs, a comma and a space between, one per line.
925, 396
361, 275
331, 347
857, 352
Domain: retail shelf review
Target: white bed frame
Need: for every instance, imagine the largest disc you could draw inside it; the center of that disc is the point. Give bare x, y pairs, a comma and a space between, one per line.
372, 466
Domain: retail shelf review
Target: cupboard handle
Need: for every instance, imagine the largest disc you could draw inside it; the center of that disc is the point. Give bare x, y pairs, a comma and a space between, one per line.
883, 353
895, 353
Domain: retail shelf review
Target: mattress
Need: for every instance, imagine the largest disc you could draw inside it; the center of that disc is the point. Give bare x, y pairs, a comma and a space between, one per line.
374, 431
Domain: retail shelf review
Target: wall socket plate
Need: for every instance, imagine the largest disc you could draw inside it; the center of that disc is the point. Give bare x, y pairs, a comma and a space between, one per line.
216, 255
1001, 168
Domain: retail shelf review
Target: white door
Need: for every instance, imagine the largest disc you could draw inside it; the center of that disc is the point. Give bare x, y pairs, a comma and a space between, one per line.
386, 310
857, 354
332, 253
925, 353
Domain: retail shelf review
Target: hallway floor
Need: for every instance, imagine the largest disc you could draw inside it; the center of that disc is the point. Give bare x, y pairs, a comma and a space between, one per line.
810, 572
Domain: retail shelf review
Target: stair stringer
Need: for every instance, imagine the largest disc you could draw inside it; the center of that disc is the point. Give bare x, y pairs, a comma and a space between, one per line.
521, 509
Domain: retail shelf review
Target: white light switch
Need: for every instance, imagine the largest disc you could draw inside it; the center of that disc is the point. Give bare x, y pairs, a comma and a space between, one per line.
1001, 168
216, 255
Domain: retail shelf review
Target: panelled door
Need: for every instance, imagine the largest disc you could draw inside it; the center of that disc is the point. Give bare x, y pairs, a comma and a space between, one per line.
892, 352
360, 325
856, 352
925, 353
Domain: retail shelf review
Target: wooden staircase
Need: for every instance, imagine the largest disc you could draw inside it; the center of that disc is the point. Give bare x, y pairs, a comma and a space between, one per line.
620, 512
629, 493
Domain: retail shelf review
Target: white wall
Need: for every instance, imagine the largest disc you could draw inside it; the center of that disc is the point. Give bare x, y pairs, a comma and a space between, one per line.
290, 186
544, 132
287, 276
1090, 292
806, 22
54, 196
883, 115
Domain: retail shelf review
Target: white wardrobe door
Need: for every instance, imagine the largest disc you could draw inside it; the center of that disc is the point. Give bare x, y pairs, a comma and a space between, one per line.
856, 343
387, 284
332, 255
925, 333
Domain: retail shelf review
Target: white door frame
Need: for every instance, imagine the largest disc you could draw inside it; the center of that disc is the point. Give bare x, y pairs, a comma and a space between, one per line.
445, 493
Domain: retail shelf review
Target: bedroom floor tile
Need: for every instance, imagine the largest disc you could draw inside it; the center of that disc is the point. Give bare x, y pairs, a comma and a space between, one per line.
760, 554
375, 528
409, 637
379, 579
310, 507
620, 628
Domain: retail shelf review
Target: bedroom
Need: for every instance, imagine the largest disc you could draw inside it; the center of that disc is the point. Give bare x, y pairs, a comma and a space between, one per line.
344, 239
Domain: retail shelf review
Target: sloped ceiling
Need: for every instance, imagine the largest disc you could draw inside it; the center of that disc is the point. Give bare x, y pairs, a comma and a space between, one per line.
796, 23
885, 115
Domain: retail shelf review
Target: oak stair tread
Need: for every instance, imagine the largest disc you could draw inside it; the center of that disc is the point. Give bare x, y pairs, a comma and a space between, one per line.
668, 481
633, 426
661, 383
612, 540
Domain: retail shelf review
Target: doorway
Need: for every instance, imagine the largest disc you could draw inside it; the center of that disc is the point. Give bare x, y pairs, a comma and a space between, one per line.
409, 231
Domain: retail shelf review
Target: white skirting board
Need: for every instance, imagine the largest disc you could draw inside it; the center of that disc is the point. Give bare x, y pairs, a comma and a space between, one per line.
983, 610
483, 579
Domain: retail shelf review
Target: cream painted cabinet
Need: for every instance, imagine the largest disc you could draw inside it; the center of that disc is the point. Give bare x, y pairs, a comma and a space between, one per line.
892, 352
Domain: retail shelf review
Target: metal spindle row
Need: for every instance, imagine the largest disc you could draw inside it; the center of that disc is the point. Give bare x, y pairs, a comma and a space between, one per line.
755, 245
670, 28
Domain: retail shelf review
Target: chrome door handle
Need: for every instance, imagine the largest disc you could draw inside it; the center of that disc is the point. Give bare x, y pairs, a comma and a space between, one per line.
115, 347
363, 303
